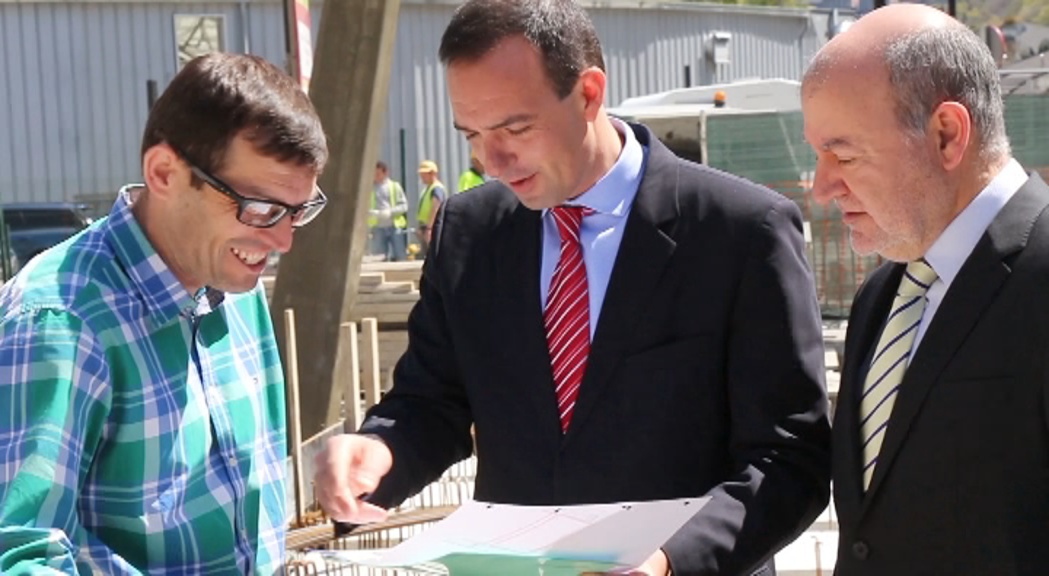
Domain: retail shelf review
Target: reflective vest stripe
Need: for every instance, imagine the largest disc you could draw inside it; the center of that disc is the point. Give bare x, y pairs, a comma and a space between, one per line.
426, 204
396, 195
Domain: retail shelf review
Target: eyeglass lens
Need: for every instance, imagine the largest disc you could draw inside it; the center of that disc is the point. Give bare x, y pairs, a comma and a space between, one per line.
263, 214
255, 213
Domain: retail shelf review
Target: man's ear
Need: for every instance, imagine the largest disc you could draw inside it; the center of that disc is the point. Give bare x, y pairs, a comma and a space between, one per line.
593, 83
951, 127
162, 169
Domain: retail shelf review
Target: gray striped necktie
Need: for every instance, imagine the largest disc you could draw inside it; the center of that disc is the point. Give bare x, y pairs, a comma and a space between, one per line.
891, 358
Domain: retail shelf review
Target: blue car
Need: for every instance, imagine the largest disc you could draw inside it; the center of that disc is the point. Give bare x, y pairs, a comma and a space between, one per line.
34, 227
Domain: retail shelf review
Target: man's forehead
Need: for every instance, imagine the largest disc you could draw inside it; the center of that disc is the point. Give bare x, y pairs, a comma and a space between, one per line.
831, 121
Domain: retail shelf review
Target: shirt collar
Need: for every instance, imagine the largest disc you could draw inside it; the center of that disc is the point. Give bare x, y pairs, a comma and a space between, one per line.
614, 192
164, 296
952, 248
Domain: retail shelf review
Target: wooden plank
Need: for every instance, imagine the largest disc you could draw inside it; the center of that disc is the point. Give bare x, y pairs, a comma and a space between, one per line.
390, 288
351, 397
369, 280
295, 417
399, 336
401, 266
830, 360
833, 384
407, 271
383, 312
392, 345
387, 302
370, 361
387, 308
388, 297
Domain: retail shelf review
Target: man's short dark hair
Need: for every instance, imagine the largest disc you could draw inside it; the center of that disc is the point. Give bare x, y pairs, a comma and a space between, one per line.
560, 29
219, 96
382, 166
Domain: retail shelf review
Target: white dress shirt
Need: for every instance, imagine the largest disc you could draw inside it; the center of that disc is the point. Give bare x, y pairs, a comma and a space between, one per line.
953, 247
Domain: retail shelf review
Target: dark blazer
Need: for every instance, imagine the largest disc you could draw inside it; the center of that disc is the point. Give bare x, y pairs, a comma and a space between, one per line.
705, 373
962, 482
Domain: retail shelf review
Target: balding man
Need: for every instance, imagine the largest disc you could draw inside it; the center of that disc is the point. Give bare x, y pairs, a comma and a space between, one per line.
941, 447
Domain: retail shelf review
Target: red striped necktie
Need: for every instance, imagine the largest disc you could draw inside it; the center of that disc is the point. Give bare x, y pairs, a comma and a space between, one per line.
567, 314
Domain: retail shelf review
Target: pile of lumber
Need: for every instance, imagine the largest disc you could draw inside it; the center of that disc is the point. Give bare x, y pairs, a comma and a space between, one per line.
387, 292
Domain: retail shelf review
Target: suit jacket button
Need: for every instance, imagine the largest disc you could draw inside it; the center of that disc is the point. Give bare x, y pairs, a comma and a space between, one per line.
860, 550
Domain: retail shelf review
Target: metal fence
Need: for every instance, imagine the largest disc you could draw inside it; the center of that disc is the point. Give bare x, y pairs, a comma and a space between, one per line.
769, 148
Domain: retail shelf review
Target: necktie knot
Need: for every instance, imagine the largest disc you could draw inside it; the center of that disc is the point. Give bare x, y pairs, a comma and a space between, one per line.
569, 219
917, 278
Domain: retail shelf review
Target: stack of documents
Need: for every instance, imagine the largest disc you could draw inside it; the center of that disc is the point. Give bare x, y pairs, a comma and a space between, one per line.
484, 539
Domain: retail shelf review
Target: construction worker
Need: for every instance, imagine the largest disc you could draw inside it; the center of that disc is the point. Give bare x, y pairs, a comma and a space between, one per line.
429, 201
473, 176
388, 216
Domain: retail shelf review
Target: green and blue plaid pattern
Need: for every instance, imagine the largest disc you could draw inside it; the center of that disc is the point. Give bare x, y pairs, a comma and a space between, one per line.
142, 429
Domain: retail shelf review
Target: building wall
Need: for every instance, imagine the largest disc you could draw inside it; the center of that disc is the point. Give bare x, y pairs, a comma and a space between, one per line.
73, 76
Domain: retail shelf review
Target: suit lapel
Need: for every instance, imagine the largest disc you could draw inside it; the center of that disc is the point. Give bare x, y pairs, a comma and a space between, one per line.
644, 251
517, 264
977, 283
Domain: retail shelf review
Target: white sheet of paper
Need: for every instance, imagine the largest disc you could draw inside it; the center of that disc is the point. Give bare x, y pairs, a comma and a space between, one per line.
624, 534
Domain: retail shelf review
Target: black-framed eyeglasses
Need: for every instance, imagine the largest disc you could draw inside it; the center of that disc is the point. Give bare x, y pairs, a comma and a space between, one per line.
260, 213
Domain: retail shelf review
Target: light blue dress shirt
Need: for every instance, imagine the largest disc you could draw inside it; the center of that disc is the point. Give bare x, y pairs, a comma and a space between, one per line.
610, 198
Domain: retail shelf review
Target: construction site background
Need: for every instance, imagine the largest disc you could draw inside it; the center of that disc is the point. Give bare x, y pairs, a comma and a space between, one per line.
769, 148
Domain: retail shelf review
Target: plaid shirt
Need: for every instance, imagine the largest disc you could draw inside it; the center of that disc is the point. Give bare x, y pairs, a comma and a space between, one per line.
141, 429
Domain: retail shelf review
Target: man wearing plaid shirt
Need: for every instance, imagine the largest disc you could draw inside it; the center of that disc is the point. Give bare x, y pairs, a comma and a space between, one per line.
142, 425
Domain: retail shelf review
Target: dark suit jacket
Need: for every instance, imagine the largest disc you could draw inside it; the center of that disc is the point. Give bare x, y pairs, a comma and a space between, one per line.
962, 481
705, 373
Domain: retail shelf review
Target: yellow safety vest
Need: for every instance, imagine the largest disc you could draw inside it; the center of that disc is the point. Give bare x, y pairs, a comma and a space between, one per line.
396, 194
469, 179
426, 203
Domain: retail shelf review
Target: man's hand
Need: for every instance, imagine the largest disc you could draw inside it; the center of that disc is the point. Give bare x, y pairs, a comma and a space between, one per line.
656, 565
349, 468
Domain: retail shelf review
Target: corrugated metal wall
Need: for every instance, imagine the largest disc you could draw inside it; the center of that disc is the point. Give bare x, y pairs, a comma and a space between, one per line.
647, 51
73, 77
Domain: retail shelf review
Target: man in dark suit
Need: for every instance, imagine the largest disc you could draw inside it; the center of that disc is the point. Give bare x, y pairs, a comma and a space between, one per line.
940, 443
617, 323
